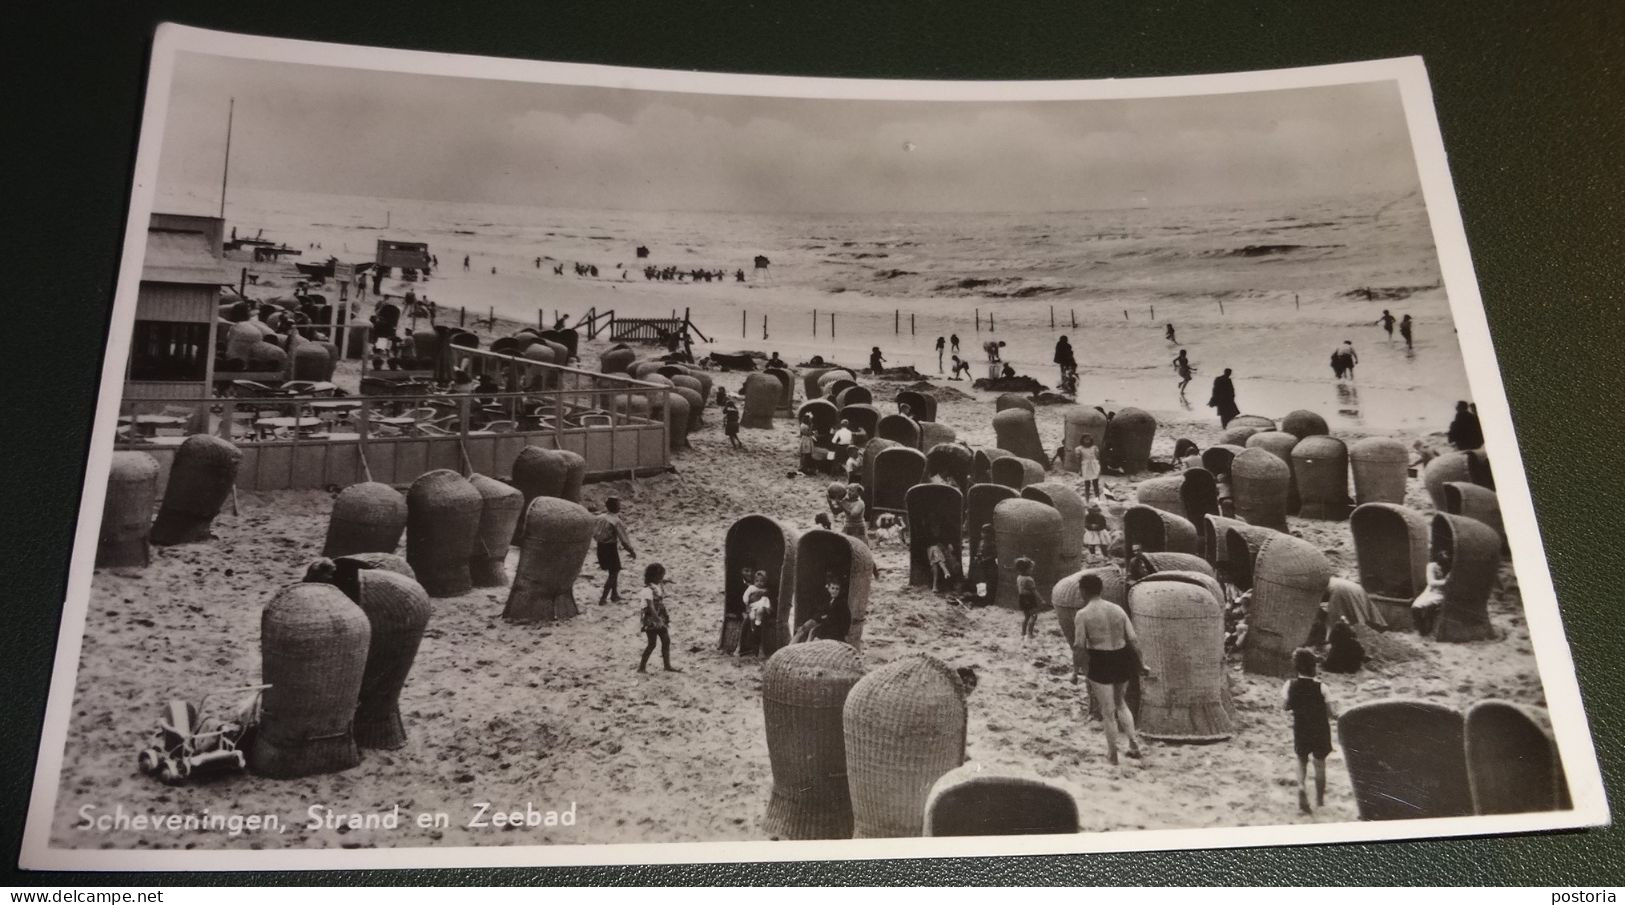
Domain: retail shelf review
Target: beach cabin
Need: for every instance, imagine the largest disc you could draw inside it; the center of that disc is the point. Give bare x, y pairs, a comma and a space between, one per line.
408, 256
172, 343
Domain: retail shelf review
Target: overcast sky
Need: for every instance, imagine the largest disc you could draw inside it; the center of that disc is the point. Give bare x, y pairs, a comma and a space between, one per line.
357, 132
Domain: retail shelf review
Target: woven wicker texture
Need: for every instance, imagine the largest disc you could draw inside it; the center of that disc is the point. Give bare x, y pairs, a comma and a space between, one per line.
979, 505
1379, 465
1017, 431
1128, 440
540, 472
569, 339
974, 801
935, 433
1155, 531
982, 463
1162, 493
935, 514
658, 379
905, 727
1236, 436
825, 416
1320, 470
313, 653
871, 455
644, 367
1448, 468
1254, 421
1146, 565
332, 358
310, 362
787, 387
1406, 759
1259, 485
688, 381
1181, 631
200, 482
1304, 423
1477, 503
761, 393
501, 506
1513, 765
557, 536
861, 418
1031, 529
899, 429
616, 361
241, 340
951, 462
811, 382
265, 356
1076, 422
1064, 500
1033, 472
1217, 459
1391, 547
367, 518
804, 691
425, 344
1199, 497
132, 489
1475, 565
1067, 599
1212, 532
696, 407
704, 378
1289, 581
1007, 401
922, 406
632, 405
677, 413
896, 470
855, 395
387, 561
766, 545
398, 610
834, 385
1280, 444
820, 554
1242, 543
1010, 471
442, 527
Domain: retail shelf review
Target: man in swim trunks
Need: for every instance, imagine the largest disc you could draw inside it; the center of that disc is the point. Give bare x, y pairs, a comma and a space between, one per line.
1105, 634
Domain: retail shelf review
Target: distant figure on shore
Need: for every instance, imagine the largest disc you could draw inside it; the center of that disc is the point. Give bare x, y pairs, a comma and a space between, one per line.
993, 349
953, 343
774, 361
1305, 699
1465, 431
877, 362
1344, 359
941, 345
1065, 360
1169, 333
465, 263
739, 275
960, 366
538, 263
1224, 398
1387, 323
1405, 330
1182, 367
1007, 371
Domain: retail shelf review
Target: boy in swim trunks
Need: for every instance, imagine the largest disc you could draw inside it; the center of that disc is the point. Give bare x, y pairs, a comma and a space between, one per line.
1105, 634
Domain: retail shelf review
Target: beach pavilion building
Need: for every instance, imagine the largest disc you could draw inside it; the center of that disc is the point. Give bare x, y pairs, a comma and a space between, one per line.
177, 305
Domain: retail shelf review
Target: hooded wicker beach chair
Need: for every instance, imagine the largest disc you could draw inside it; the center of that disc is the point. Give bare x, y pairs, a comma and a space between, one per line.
1155, 531
1477, 503
674, 409
1241, 544
1031, 529
761, 393
1320, 470
1128, 440
367, 518
812, 382
1216, 459
1077, 421
982, 463
1304, 423
899, 429
1258, 422
935, 516
1406, 760
1164, 493
1010, 471
974, 801
690, 382
696, 412
557, 537
979, 505
825, 417
1380, 466
1180, 625
1064, 500
132, 489
389, 562
1513, 765
855, 395
310, 362
1290, 576
820, 554
871, 458
1007, 401
1260, 484
896, 470
1237, 436
833, 385
200, 482
787, 388
398, 610
1279, 444
313, 654
1148, 565
1448, 468
1017, 431
1475, 565
442, 528
761, 544
921, 406
804, 692
865, 418
500, 509
905, 727
1199, 498
951, 462
935, 433
1391, 547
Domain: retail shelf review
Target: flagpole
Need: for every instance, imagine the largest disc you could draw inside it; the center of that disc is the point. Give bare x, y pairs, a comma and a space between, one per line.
225, 170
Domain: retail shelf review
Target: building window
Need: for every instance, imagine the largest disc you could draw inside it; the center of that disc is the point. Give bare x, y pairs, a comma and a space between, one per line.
167, 350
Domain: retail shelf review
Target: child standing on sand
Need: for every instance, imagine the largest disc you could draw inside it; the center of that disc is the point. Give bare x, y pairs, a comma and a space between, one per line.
1027, 597
1311, 725
1089, 466
730, 424
609, 533
654, 619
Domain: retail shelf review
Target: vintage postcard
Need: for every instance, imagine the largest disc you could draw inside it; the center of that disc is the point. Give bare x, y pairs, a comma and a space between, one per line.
1098, 465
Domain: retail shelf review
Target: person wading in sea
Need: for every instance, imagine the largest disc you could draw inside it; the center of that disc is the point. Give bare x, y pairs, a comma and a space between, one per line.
1387, 323
1182, 367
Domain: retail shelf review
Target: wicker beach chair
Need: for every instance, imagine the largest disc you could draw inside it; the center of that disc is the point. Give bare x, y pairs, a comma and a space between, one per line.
367, 518
1445, 469
974, 801
389, 562
442, 528
821, 553
896, 470
1380, 466
1064, 500
313, 655
1237, 435
804, 692
1260, 485
1164, 493
1290, 576
871, 457
787, 388
1391, 548
855, 395
935, 433
812, 382
767, 545
833, 385
1008, 401
921, 406
1216, 459
1241, 544
1320, 471
1279, 444
1513, 765
1406, 760
935, 514
979, 505
674, 409
1199, 498
1477, 503
952, 463
1304, 423
825, 417
696, 411
1076, 421
1148, 565
1017, 431
556, 539
616, 360
500, 509
132, 489
1475, 565
899, 429
1180, 624
982, 463
398, 610
761, 394
1128, 440
905, 727
1010, 471
1153, 531
1031, 529
1257, 422
863, 418
200, 481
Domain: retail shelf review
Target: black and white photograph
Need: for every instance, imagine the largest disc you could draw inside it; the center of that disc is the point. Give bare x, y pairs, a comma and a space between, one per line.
506, 462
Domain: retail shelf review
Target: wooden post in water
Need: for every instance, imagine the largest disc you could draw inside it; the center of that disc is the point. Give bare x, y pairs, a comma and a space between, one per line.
911, 325
462, 314
990, 327
1074, 313
832, 325
896, 321
815, 322
1221, 306
978, 320
1125, 314
492, 316
1052, 317
744, 326
1153, 312
1295, 304
764, 328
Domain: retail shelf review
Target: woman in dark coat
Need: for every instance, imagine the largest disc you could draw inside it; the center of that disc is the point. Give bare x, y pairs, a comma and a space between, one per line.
1224, 398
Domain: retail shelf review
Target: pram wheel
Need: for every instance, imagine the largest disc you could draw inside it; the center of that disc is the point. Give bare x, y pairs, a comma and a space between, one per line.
147, 761
173, 772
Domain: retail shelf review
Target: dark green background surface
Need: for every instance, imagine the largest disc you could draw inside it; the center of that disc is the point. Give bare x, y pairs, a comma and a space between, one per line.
1530, 101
